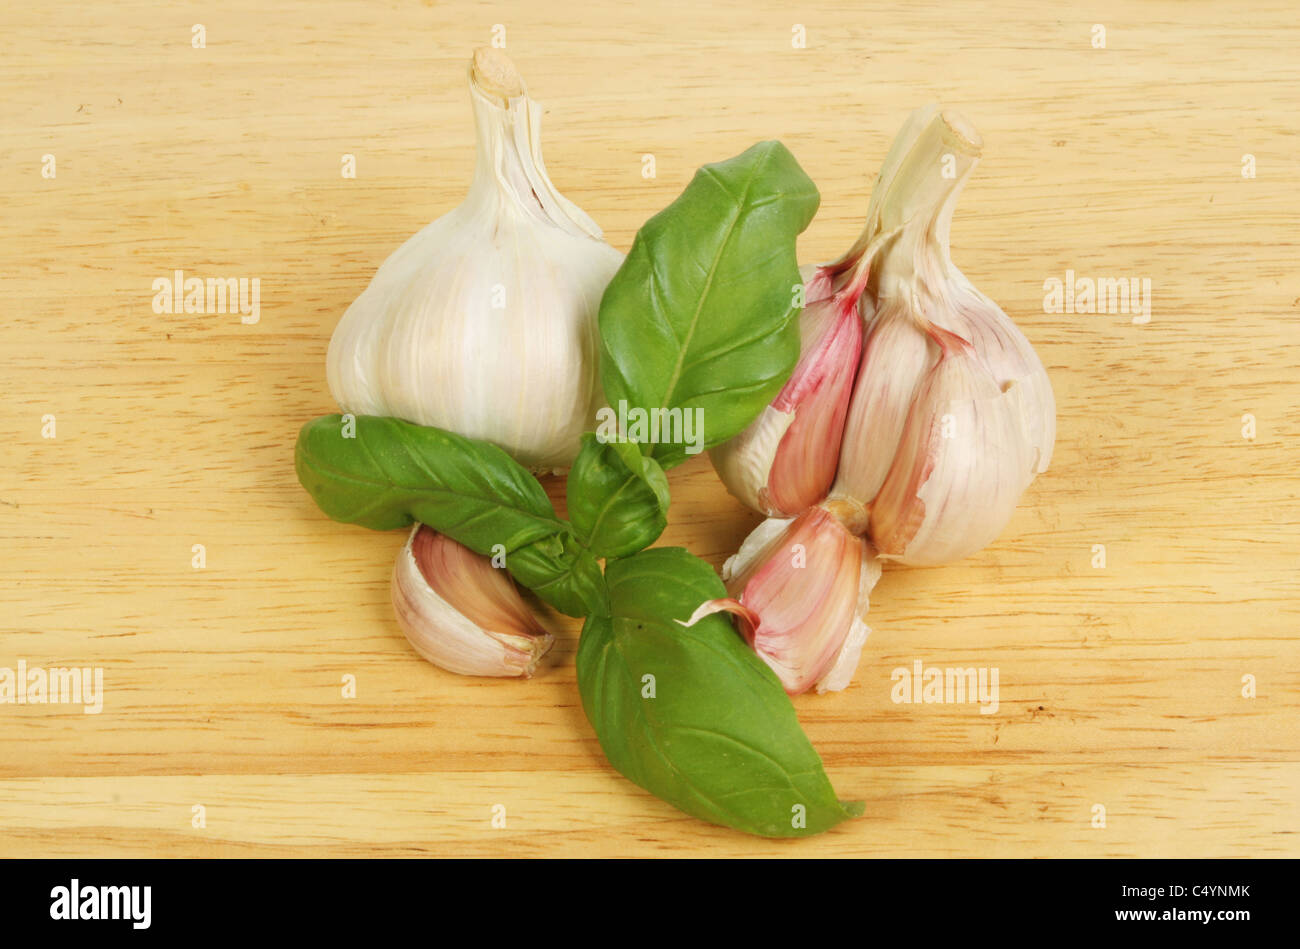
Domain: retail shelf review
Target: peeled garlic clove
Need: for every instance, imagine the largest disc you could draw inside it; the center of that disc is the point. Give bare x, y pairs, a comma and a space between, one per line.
785, 461
799, 588
461, 613
484, 322
960, 465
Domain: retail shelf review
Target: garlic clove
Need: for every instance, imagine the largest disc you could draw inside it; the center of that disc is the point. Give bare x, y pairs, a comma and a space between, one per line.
461, 613
961, 463
894, 361
817, 394
785, 461
744, 463
799, 589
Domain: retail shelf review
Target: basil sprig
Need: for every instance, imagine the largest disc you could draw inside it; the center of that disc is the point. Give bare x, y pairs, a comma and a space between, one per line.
384, 473
693, 715
699, 317
701, 314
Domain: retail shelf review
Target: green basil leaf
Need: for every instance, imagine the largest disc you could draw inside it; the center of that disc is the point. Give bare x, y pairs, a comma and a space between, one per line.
389, 473
701, 313
719, 738
618, 498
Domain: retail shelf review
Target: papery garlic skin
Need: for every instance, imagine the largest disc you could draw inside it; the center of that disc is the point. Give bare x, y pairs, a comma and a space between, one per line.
799, 588
960, 465
926, 501
461, 613
484, 322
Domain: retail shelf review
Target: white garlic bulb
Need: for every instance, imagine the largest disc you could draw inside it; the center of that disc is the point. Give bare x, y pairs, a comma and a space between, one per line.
484, 323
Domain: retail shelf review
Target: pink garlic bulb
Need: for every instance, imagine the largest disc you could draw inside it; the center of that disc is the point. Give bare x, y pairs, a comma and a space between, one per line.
953, 414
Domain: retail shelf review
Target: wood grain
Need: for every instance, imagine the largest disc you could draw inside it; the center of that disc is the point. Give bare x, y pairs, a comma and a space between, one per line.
1119, 686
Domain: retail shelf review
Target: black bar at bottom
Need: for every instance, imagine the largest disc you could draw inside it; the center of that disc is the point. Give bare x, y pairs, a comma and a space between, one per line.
439, 898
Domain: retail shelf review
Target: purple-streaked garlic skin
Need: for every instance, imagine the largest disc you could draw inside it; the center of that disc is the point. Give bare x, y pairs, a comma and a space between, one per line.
960, 466
950, 418
799, 590
461, 613
785, 461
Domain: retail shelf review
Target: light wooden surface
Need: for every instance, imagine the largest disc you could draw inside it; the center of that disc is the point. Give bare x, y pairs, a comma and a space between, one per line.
1120, 686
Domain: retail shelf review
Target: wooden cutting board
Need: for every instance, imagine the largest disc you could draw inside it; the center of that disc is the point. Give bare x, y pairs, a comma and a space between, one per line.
1122, 727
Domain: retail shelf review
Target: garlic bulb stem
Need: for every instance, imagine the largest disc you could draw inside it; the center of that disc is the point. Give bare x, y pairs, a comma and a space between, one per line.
509, 129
